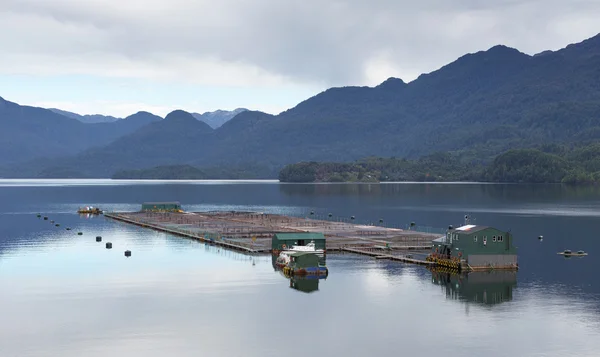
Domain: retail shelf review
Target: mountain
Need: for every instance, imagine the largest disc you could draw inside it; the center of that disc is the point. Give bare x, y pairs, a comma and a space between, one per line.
175, 140
476, 107
219, 117
27, 132
89, 119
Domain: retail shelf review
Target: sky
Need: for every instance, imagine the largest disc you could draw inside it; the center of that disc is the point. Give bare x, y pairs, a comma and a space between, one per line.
117, 57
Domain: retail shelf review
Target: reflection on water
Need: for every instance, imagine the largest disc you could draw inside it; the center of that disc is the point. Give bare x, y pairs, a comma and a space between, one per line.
487, 288
306, 284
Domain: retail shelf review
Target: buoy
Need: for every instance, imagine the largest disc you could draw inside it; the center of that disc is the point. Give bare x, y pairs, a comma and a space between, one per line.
79, 233
127, 253
58, 225
68, 228
312, 213
380, 220
98, 239
45, 218
108, 245
330, 215
39, 215
352, 217
541, 237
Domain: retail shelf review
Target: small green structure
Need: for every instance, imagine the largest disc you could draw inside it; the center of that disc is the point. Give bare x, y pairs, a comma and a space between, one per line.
161, 207
303, 260
281, 241
479, 246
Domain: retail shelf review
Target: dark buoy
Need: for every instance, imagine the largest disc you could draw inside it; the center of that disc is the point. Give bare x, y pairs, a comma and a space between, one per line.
541, 237
352, 217
68, 228
79, 233
128, 253
58, 225
312, 213
39, 215
108, 245
45, 218
380, 220
98, 239
330, 215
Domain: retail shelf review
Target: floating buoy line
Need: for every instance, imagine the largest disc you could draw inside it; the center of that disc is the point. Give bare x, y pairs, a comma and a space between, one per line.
108, 245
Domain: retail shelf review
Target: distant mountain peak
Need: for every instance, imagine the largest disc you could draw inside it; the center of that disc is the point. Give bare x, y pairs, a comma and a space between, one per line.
179, 115
218, 117
392, 83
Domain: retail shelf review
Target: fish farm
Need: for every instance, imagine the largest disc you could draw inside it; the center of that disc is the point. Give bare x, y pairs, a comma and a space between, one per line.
256, 232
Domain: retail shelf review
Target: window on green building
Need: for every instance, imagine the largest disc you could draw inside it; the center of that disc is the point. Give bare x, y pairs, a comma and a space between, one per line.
500, 238
493, 238
475, 239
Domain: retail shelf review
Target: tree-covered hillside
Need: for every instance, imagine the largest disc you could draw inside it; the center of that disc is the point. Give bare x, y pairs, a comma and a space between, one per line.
547, 164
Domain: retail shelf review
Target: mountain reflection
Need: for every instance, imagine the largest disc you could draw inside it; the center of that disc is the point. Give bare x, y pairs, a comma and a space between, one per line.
486, 288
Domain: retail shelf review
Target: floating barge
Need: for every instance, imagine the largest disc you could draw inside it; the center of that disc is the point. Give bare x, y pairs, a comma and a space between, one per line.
305, 263
472, 247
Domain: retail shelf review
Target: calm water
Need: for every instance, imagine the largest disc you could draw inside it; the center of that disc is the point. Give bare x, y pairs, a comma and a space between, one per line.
66, 295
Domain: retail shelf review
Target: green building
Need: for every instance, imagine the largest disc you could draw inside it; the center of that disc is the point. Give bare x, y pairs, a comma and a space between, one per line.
478, 246
161, 207
281, 241
303, 260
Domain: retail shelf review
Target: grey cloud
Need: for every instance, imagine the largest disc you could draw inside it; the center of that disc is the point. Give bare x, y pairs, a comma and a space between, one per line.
329, 42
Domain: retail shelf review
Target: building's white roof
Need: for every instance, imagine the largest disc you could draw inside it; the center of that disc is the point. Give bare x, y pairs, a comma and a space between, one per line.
466, 228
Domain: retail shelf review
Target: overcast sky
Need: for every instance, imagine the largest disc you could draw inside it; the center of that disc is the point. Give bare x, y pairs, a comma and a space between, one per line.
121, 56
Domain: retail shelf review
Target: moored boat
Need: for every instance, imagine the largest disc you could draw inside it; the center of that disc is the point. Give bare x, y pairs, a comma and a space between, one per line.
89, 210
283, 259
302, 263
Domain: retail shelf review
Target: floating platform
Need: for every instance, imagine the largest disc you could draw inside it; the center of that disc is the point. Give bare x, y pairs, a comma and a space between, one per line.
252, 232
568, 253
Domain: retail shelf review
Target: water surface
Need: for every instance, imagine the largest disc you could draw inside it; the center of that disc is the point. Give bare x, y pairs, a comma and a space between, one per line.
66, 295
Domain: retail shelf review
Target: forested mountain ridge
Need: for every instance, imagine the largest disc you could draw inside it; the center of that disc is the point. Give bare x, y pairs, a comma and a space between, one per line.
29, 132
477, 107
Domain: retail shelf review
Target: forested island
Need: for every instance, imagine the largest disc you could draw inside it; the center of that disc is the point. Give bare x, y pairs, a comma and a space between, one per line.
547, 164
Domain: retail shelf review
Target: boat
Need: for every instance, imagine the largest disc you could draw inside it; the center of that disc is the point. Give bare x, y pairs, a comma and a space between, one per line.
301, 263
569, 253
310, 248
89, 210
283, 259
